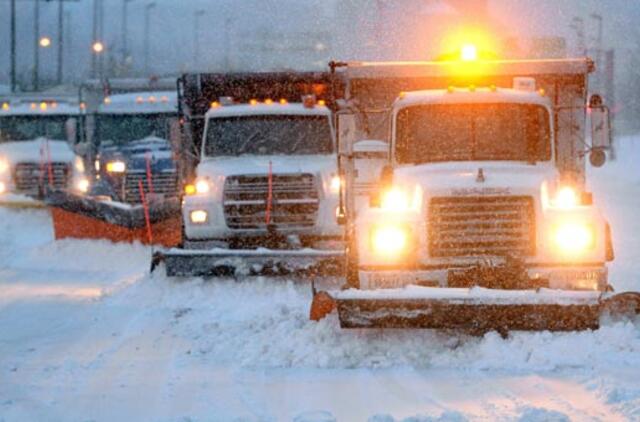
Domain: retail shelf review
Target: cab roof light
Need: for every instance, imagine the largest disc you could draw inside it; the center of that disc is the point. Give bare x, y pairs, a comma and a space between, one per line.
450, 89
542, 92
322, 103
283, 101
43, 106
253, 101
309, 101
5, 106
83, 105
152, 99
54, 105
214, 104
402, 94
139, 100
164, 99
107, 100
268, 101
33, 106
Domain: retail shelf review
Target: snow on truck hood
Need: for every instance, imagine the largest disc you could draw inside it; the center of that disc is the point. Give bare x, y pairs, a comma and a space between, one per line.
35, 151
477, 177
258, 164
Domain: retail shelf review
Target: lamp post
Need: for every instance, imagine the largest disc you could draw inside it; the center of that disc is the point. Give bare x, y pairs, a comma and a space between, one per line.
147, 13
196, 37
125, 30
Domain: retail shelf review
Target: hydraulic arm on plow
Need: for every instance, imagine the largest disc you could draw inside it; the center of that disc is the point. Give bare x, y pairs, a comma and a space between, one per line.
480, 219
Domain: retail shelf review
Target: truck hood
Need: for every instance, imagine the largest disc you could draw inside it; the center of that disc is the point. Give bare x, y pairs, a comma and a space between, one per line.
477, 178
35, 151
254, 164
135, 154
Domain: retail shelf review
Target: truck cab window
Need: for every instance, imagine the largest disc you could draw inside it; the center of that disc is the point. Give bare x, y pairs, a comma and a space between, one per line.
473, 132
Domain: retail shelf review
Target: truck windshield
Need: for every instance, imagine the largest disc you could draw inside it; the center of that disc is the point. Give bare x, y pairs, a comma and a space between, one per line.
268, 135
120, 129
473, 132
25, 128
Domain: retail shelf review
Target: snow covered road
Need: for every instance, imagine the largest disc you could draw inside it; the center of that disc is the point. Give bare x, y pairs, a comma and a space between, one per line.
86, 334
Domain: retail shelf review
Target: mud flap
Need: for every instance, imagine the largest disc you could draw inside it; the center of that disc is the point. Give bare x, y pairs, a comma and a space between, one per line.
229, 262
477, 310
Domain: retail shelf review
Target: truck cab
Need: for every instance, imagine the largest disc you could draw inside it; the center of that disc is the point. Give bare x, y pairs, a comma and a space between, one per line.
37, 140
267, 170
132, 134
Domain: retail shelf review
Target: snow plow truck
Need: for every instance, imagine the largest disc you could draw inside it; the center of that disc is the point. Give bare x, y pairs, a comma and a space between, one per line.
263, 188
481, 218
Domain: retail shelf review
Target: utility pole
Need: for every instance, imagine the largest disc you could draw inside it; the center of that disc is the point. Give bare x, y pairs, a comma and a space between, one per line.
125, 30
147, 13
13, 45
36, 45
60, 40
196, 38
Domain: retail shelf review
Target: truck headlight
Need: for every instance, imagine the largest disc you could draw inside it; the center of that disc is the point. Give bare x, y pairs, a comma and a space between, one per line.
116, 167
573, 238
200, 187
402, 199
198, 216
82, 185
391, 240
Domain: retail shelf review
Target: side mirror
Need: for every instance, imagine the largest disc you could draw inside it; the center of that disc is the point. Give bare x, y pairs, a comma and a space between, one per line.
600, 123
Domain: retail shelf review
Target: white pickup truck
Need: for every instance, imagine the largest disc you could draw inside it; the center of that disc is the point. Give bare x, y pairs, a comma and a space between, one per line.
267, 175
36, 139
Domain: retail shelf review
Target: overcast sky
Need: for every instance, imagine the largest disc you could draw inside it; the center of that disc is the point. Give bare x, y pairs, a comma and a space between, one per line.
243, 25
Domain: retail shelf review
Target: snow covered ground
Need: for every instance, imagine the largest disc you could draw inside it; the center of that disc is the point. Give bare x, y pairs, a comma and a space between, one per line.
87, 335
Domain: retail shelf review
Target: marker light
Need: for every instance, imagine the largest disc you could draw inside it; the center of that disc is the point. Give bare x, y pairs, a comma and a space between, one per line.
45, 42
283, 101
268, 101
107, 100
468, 53
573, 237
336, 182
190, 189
5, 106
139, 100
322, 103
214, 104
253, 101
198, 216
566, 198
116, 167
43, 106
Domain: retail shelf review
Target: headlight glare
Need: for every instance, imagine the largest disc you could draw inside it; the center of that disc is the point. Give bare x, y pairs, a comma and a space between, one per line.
116, 167
198, 216
336, 182
79, 165
3, 187
402, 199
4, 165
82, 185
390, 240
202, 186
574, 237
566, 197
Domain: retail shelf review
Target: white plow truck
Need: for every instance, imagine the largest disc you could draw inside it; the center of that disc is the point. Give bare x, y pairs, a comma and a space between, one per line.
265, 192
37, 137
482, 219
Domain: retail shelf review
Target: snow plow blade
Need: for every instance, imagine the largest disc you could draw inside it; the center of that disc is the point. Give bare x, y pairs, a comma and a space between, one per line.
87, 218
478, 310
20, 202
227, 262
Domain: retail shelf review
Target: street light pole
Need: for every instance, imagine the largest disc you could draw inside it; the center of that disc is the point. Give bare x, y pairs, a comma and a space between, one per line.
13, 45
60, 40
125, 29
36, 45
147, 13
196, 38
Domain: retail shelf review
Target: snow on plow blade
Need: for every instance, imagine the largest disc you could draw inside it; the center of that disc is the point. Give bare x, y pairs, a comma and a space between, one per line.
185, 262
87, 218
477, 309
20, 202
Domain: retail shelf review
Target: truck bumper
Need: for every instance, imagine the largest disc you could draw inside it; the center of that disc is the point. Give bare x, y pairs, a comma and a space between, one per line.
575, 277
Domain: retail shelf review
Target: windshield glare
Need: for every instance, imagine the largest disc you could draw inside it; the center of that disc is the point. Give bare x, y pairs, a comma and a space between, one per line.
120, 129
473, 132
268, 135
25, 128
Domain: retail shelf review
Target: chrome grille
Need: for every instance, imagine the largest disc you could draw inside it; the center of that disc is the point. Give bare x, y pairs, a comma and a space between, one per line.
481, 226
294, 201
163, 183
29, 177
